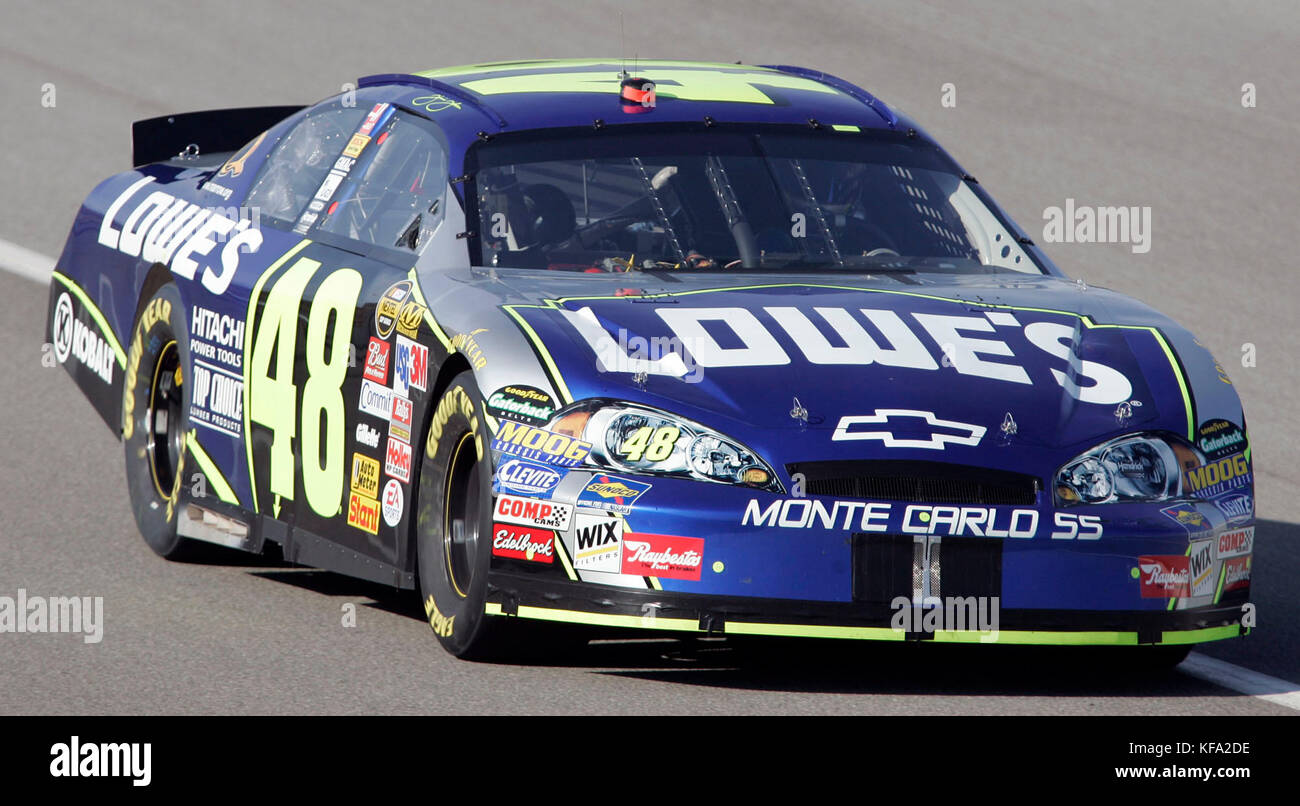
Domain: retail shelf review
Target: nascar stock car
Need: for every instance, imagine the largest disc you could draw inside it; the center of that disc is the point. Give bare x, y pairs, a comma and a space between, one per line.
715, 348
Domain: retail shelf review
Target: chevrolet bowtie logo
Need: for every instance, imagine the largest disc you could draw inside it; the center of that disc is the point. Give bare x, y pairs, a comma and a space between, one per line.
906, 428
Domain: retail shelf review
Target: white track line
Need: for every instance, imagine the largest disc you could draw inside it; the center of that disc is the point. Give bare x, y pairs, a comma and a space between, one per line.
34, 266
24, 262
1221, 673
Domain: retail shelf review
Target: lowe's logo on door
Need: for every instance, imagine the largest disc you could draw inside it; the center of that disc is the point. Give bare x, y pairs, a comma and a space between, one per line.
529, 478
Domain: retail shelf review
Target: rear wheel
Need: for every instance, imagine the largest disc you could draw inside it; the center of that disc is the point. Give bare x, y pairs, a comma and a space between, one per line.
155, 416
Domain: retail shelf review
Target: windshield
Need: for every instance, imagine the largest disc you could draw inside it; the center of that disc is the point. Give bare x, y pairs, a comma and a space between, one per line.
717, 200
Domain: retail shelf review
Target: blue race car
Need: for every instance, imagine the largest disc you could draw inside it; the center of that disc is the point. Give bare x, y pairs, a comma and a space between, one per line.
711, 348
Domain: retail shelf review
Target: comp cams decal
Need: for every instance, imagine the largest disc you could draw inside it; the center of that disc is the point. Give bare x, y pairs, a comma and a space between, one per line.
536, 512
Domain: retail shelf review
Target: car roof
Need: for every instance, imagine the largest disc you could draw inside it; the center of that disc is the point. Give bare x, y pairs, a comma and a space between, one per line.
553, 93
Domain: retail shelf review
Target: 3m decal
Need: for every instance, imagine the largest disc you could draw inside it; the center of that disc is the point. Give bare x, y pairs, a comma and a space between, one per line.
410, 366
274, 396
533, 512
664, 556
523, 543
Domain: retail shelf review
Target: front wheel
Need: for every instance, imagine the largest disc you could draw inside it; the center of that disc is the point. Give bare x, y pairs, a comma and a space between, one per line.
453, 521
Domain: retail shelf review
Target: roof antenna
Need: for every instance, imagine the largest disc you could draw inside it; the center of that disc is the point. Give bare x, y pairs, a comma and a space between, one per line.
622, 48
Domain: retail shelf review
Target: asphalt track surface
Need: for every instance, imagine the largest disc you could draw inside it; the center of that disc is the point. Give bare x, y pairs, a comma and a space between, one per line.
1106, 103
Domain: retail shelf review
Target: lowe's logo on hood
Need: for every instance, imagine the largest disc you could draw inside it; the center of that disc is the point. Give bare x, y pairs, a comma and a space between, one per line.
996, 345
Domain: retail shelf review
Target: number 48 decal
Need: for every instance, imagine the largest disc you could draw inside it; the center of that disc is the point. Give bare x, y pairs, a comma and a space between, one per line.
273, 400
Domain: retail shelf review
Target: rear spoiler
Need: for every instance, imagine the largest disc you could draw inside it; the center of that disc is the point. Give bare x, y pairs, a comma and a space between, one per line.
213, 130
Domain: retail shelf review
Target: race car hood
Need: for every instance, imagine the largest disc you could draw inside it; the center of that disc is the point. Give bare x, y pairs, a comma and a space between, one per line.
908, 366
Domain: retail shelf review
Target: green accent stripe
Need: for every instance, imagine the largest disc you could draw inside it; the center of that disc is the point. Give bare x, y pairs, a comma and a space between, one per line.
1201, 635
97, 315
840, 127
1054, 637
251, 319
1218, 592
1041, 637
565, 395
554, 304
813, 631
210, 469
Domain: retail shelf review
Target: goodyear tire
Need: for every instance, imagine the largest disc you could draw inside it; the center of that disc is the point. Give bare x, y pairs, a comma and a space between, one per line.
155, 417
453, 522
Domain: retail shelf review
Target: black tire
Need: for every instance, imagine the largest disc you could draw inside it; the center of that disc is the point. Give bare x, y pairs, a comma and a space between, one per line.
155, 418
454, 523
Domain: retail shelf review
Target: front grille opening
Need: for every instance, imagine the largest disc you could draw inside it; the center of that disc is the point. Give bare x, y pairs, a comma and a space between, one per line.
917, 482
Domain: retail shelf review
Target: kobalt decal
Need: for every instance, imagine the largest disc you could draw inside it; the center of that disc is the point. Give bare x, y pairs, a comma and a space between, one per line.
811, 513
750, 343
218, 399
85, 345
363, 513
532, 442
528, 478
62, 327
375, 399
1236, 573
367, 436
410, 365
1237, 542
666, 556
533, 512
905, 427
523, 543
179, 234
365, 475
377, 361
392, 502
397, 460
598, 541
612, 493
399, 424
1200, 565
1163, 576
